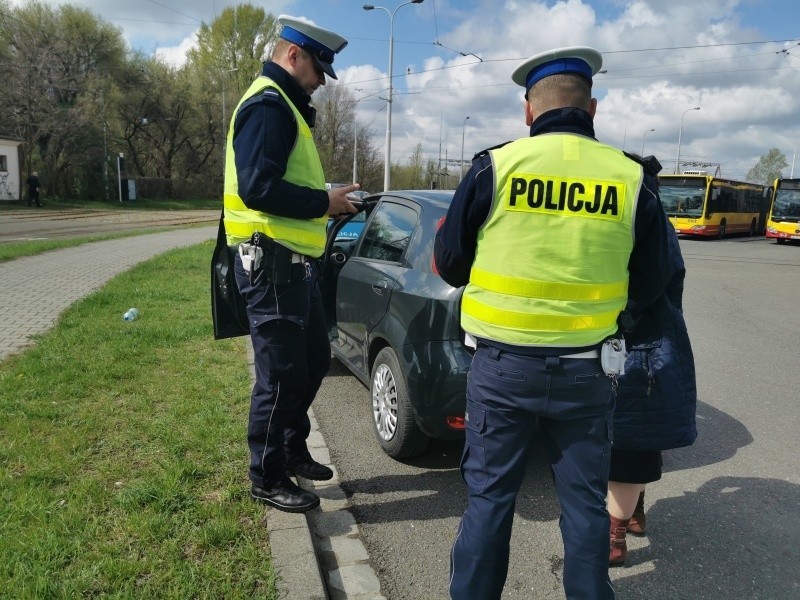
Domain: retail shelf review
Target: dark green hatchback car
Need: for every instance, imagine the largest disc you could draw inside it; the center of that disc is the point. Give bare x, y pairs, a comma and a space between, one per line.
395, 324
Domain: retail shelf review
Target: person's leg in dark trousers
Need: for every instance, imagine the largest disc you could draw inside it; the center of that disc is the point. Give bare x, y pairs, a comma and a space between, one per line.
577, 434
279, 347
278, 315
318, 361
498, 431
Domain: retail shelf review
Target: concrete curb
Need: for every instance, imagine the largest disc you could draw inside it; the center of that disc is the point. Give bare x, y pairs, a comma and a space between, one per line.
319, 554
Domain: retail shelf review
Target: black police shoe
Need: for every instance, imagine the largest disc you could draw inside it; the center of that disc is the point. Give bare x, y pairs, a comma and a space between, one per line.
286, 496
307, 467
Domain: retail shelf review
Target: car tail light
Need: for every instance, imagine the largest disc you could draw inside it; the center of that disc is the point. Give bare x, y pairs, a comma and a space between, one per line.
455, 422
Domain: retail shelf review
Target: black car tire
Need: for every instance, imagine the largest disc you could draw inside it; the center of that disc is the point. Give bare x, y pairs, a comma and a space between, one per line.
391, 407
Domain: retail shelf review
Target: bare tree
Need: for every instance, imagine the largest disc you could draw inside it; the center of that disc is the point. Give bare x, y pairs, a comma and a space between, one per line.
336, 132
52, 62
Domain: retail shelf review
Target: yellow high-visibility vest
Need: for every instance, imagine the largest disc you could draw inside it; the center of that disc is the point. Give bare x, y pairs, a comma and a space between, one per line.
304, 236
551, 266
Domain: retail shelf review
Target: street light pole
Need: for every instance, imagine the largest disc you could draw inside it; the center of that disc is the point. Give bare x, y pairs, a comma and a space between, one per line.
355, 150
461, 164
680, 133
791, 175
388, 163
643, 136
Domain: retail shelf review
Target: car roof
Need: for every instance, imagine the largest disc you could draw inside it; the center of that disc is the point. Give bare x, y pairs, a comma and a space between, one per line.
438, 198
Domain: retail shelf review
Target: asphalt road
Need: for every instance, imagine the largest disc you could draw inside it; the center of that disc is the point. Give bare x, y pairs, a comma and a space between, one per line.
722, 523
19, 223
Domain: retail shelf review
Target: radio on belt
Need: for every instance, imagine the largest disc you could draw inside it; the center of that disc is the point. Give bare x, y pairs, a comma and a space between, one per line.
251, 258
612, 357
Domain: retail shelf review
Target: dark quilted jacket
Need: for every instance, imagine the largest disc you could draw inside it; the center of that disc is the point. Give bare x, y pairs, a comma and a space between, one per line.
657, 396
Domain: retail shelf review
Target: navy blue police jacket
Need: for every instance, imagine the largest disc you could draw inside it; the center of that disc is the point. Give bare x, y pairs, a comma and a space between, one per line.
264, 133
456, 240
657, 397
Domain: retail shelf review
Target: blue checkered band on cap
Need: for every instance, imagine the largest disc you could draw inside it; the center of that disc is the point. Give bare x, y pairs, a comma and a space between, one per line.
308, 43
560, 65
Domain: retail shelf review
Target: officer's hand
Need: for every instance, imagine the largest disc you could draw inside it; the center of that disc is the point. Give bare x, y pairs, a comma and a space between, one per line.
338, 204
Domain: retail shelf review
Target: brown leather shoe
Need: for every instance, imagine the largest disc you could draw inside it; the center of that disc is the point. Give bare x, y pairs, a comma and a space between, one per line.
619, 547
638, 521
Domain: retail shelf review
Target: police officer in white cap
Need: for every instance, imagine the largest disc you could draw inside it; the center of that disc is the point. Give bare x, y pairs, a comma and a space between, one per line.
276, 211
553, 235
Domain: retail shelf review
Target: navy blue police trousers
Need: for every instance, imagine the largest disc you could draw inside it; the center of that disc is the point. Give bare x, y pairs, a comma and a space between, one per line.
292, 356
573, 403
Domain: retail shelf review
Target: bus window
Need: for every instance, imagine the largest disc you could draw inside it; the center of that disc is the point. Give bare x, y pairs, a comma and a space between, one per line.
683, 197
712, 206
783, 223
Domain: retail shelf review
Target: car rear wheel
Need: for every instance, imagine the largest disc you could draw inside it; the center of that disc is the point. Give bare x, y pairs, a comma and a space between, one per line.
392, 417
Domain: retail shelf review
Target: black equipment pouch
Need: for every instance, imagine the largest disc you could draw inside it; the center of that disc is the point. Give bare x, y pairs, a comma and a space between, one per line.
276, 262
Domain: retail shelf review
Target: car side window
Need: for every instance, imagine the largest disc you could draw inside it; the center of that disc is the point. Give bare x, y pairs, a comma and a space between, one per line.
389, 232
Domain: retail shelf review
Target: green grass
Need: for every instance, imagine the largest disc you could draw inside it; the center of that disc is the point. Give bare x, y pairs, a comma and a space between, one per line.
11, 250
123, 457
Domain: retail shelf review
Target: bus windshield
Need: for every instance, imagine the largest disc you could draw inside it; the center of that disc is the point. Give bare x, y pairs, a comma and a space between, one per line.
683, 197
787, 205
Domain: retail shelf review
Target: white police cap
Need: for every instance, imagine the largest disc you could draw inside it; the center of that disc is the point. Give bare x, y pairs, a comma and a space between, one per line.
581, 60
320, 43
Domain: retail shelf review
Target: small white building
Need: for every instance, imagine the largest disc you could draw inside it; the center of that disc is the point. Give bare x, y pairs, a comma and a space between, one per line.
10, 181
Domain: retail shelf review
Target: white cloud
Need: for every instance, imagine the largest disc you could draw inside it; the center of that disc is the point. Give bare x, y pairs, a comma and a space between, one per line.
748, 93
176, 55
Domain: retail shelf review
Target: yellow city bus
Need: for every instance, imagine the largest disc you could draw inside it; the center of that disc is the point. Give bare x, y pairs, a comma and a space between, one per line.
784, 216
699, 204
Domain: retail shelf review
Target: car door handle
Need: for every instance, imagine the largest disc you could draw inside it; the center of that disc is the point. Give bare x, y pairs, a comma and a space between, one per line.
380, 287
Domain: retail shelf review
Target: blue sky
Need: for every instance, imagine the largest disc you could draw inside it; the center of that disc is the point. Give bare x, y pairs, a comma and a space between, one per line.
662, 58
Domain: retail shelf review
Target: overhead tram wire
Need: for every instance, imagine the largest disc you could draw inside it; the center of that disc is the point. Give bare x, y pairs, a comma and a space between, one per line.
517, 59
503, 84
438, 43
435, 21
458, 51
146, 21
176, 11
697, 46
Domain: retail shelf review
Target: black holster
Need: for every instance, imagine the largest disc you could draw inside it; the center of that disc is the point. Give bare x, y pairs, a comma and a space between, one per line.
277, 260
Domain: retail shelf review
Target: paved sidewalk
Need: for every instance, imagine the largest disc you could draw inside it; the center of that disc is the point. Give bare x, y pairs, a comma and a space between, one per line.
35, 290
324, 561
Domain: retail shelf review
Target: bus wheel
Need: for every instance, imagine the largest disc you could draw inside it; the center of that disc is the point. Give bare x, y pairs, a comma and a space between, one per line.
753, 228
780, 240
721, 232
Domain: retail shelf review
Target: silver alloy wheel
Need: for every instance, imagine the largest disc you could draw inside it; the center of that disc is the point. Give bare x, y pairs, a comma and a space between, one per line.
384, 402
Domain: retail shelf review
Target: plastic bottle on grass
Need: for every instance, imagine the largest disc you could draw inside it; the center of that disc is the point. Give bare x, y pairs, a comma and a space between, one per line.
131, 314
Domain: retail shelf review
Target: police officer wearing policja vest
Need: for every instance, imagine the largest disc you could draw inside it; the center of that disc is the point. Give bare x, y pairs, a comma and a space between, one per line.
276, 212
552, 234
